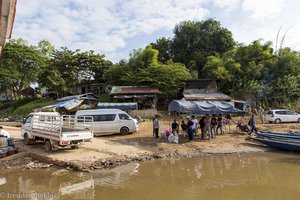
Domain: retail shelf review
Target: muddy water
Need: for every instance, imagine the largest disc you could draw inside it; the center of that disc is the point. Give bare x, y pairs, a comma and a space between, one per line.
253, 176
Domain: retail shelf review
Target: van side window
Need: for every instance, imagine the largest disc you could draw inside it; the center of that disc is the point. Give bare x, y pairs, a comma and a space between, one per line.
98, 118
108, 117
124, 117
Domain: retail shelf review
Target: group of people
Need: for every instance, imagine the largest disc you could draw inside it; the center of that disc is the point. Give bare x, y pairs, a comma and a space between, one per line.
210, 126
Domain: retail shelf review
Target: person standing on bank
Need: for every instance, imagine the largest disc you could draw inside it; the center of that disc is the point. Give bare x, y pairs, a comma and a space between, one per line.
261, 113
184, 128
175, 127
252, 125
213, 125
207, 122
155, 127
220, 124
202, 126
190, 124
194, 127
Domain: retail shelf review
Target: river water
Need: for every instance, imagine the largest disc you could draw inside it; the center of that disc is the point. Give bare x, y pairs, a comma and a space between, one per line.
248, 176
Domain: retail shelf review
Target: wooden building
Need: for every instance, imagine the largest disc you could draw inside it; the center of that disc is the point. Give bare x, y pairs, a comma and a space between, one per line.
144, 96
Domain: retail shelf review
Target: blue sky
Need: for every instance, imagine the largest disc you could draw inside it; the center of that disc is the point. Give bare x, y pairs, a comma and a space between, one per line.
116, 27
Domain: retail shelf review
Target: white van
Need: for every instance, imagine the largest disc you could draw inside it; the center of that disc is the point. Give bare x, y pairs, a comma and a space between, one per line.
109, 121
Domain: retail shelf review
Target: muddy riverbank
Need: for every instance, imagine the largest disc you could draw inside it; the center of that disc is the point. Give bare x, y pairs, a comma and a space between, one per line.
112, 151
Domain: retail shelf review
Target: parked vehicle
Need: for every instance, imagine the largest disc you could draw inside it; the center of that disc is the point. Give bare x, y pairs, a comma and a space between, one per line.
56, 130
282, 115
109, 121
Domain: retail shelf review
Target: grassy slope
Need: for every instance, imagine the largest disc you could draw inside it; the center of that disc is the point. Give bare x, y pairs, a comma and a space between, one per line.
21, 107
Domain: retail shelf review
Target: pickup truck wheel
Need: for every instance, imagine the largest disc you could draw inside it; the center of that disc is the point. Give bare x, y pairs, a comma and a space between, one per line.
48, 146
74, 147
26, 139
124, 131
299, 120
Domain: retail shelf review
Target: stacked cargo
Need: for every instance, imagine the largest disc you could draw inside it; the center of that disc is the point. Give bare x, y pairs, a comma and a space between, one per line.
7, 147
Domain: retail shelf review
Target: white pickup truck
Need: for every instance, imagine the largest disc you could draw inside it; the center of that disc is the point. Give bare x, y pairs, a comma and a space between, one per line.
56, 130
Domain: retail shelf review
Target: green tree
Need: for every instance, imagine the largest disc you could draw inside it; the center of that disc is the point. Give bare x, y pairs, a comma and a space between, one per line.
46, 49
243, 72
163, 45
283, 77
195, 41
19, 66
143, 68
223, 69
143, 58
169, 78
67, 69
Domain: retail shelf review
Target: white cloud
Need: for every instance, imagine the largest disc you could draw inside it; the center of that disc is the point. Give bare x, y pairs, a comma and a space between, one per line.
227, 4
107, 26
261, 9
103, 26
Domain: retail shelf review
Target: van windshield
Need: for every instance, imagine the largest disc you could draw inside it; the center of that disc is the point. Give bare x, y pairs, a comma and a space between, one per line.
124, 117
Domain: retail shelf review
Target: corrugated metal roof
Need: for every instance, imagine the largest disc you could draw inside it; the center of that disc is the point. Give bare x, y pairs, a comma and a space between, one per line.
121, 90
89, 96
68, 104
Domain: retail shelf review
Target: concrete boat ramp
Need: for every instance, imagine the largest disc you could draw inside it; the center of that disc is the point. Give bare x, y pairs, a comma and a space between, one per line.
100, 153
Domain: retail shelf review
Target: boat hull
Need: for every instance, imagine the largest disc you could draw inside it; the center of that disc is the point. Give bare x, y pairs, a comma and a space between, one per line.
289, 142
288, 146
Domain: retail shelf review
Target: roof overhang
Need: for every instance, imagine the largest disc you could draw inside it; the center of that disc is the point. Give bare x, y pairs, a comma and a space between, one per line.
7, 17
207, 97
133, 90
133, 96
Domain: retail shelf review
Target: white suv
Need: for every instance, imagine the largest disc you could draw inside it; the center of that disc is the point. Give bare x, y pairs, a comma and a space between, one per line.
282, 115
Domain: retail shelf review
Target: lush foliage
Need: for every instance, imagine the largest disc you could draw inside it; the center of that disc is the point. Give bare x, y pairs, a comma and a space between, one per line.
143, 68
22, 107
254, 72
20, 65
67, 69
193, 42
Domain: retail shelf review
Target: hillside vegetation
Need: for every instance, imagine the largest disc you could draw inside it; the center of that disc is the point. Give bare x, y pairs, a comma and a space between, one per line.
21, 107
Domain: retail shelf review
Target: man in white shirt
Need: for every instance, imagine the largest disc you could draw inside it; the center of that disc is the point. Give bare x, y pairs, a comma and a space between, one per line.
194, 127
261, 113
155, 127
3, 133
